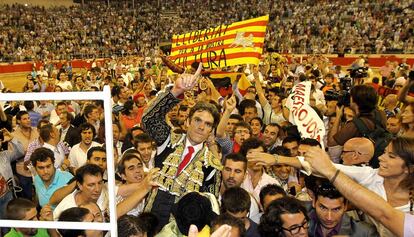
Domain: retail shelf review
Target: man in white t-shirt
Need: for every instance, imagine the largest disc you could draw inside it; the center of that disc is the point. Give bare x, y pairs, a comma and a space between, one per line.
130, 196
233, 174
64, 83
78, 153
43, 73
256, 177
54, 114
272, 109
126, 76
90, 188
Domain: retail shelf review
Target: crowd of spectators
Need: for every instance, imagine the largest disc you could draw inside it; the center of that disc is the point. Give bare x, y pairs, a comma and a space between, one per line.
193, 157
244, 151
96, 30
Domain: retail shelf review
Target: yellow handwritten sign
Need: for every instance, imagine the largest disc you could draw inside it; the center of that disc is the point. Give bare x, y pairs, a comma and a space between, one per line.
222, 46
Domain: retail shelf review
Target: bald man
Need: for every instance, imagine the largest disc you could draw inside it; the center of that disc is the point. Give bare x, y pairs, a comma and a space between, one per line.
357, 151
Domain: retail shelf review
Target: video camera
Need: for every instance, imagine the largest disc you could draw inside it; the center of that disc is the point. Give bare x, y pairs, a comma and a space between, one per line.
359, 72
345, 83
343, 97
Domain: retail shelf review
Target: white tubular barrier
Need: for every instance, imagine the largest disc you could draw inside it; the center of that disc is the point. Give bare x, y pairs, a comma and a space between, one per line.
56, 225
104, 95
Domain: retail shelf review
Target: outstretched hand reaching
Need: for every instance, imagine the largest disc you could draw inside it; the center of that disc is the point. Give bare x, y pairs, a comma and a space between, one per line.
186, 81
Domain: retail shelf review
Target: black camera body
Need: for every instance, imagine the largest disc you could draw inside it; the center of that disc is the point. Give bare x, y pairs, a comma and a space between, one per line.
343, 97
345, 83
359, 72
411, 75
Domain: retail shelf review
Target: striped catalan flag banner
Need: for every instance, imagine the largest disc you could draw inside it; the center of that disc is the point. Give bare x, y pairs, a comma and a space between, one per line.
225, 45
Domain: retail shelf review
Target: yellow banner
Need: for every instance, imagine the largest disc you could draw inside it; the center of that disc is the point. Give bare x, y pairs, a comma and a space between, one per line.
225, 45
243, 84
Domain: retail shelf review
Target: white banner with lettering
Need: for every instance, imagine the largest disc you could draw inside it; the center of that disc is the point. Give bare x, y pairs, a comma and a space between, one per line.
301, 114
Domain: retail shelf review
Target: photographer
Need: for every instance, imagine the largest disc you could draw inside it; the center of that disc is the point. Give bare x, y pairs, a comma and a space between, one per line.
363, 103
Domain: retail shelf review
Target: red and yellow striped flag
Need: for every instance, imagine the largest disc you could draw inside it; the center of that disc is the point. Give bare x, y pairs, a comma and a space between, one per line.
222, 46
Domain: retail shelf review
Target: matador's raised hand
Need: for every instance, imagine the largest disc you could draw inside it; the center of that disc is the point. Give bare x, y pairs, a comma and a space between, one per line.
186, 82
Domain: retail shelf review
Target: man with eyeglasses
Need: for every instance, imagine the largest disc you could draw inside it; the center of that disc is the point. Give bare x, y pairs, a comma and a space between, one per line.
79, 214
98, 215
284, 217
241, 130
357, 151
233, 120
328, 216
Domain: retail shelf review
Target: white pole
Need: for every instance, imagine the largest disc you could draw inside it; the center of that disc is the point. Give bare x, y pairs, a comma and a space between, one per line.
95, 95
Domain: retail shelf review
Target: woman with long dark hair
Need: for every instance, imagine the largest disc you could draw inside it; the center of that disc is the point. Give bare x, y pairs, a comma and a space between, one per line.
393, 180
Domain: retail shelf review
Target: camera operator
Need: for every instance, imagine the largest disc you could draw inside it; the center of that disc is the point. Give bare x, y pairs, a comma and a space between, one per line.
363, 103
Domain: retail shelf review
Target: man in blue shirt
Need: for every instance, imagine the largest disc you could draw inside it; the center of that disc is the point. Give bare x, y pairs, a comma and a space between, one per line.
35, 117
48, 178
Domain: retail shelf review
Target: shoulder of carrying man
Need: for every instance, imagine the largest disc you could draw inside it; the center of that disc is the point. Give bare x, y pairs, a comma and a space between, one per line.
362, 125
378, 134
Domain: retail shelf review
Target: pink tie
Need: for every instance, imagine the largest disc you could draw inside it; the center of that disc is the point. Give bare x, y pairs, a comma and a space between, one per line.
186, 160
